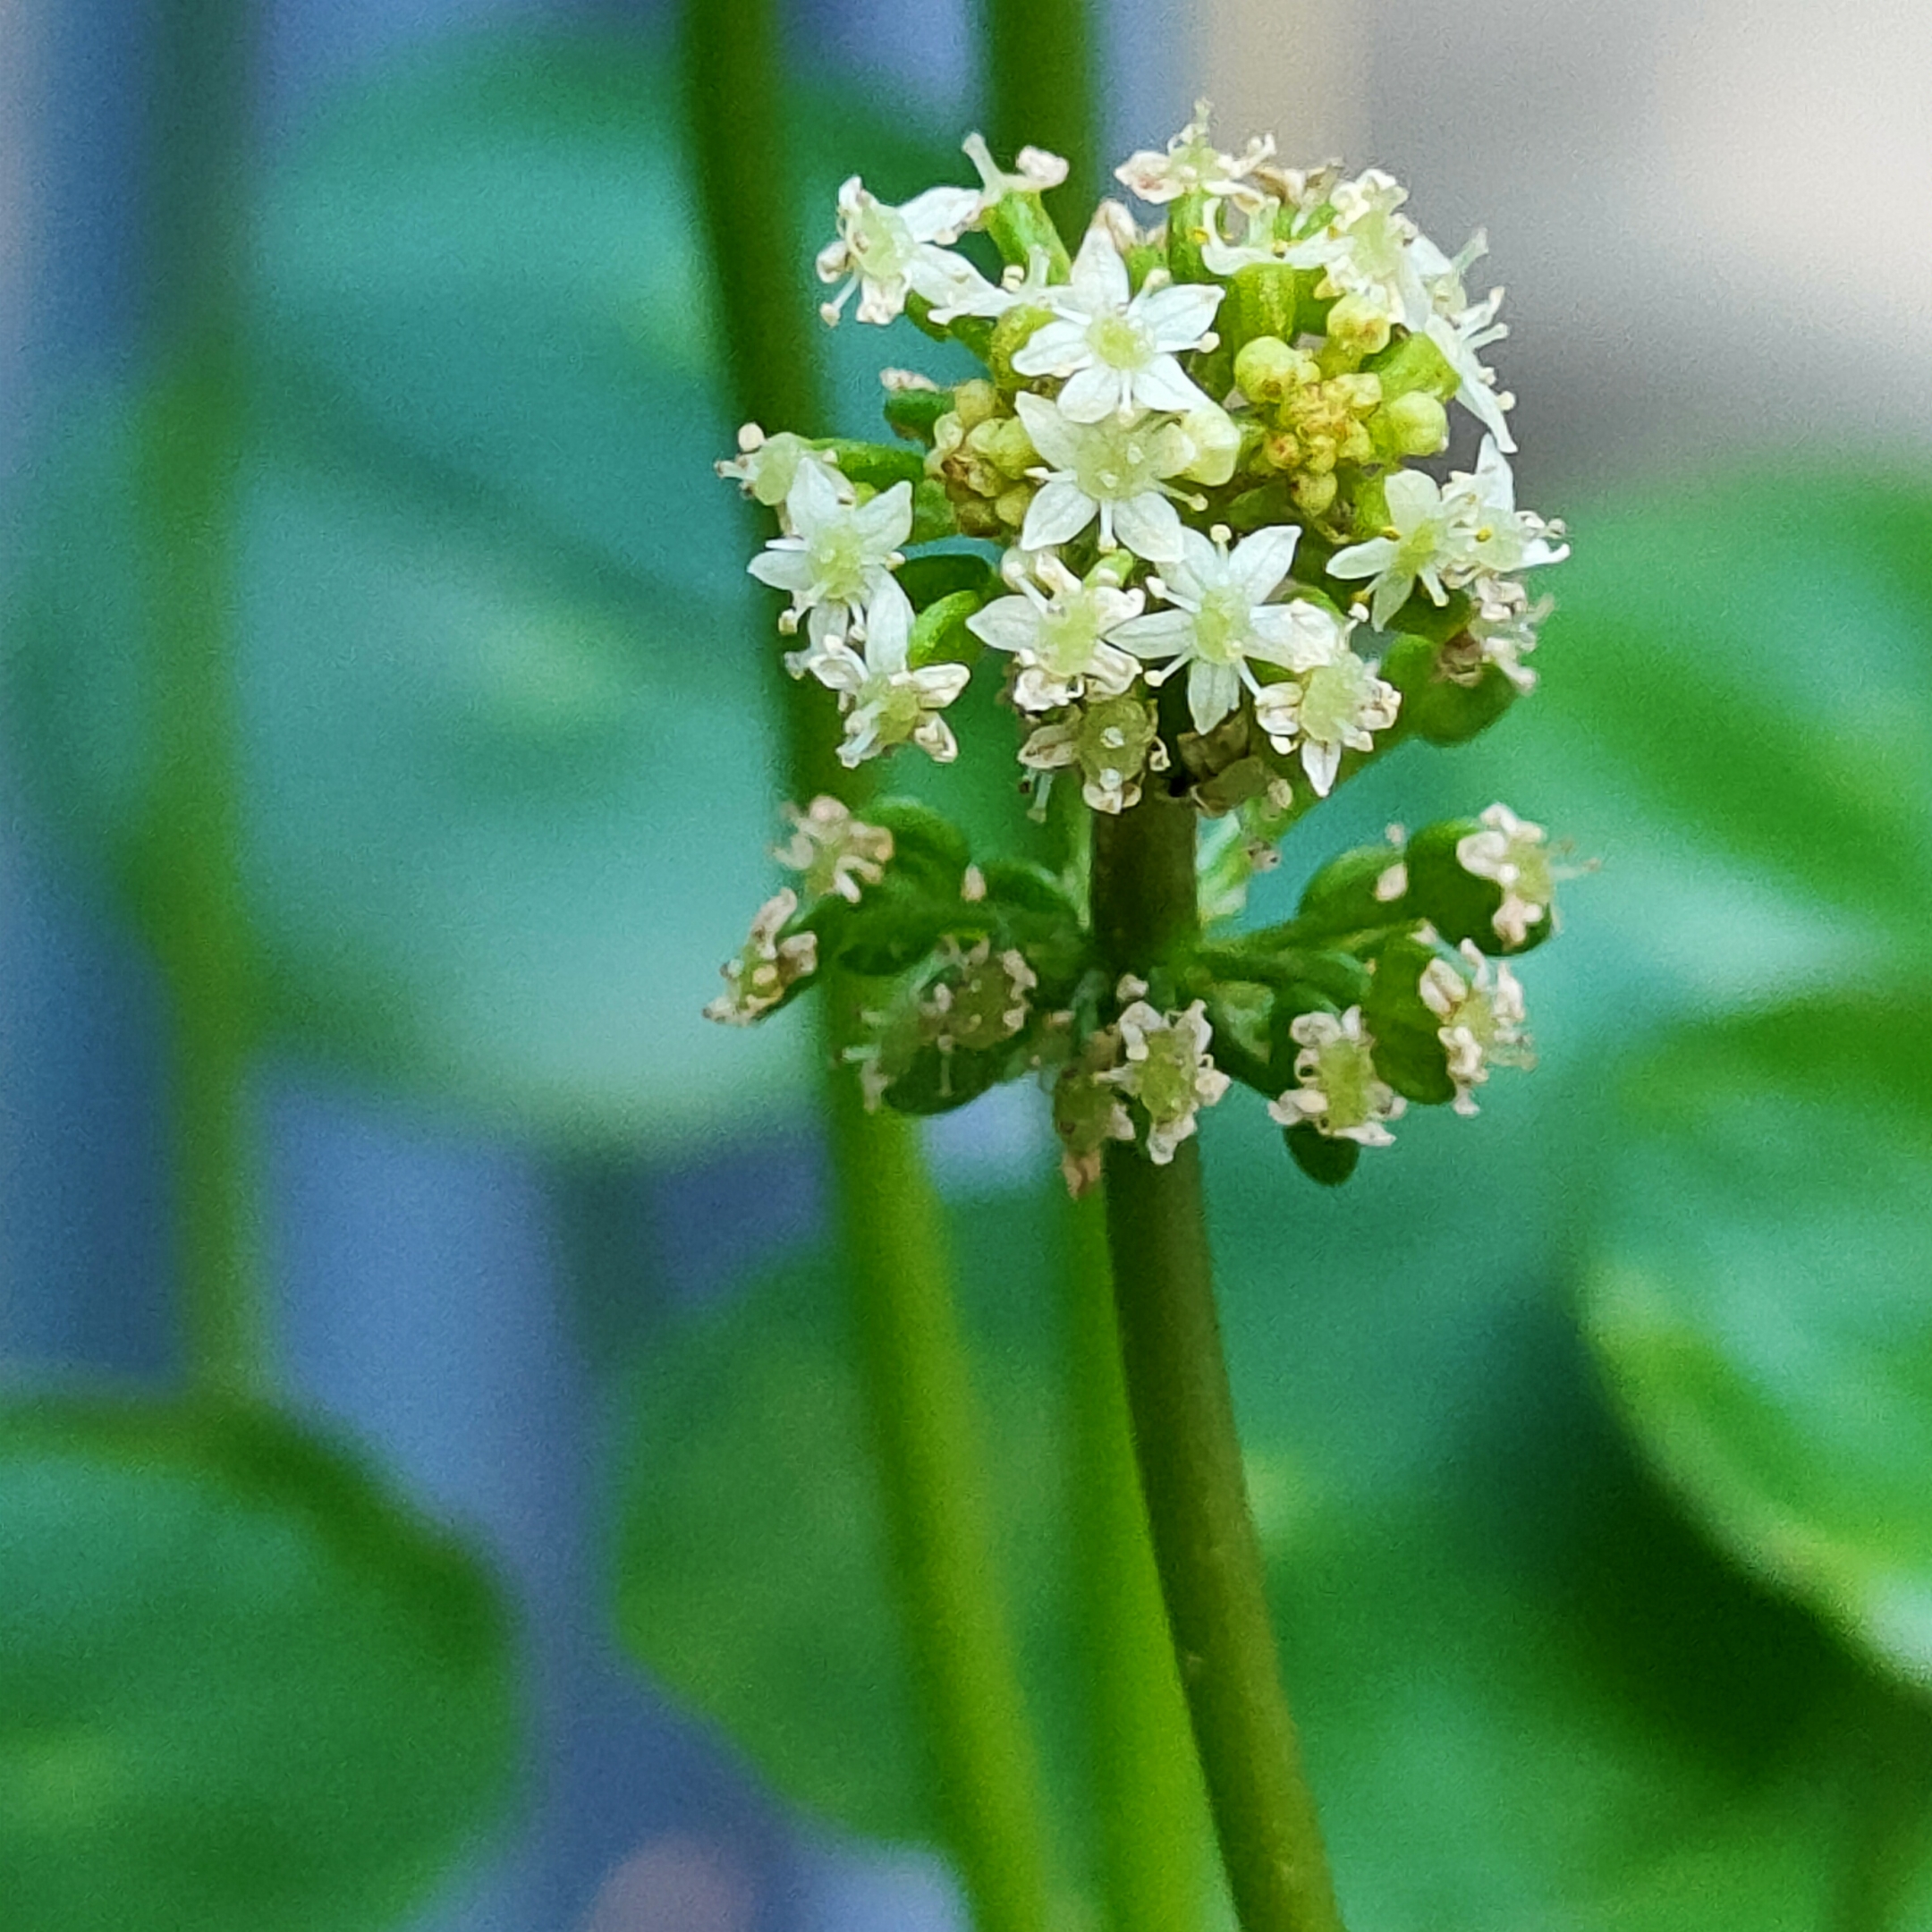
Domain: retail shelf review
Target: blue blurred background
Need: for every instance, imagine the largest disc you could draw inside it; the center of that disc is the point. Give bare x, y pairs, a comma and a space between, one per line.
1711, 220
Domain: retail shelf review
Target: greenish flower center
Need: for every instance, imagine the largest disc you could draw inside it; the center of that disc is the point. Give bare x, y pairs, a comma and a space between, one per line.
1220, 625
1331, 700
1346, 1076
838, 561
1168, 1074
1115, 463
1067, 638
1119, 343
881, 245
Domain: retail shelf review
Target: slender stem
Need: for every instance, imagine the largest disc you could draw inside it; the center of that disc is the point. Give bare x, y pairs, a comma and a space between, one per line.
913, 1354
1146, 1781
191, 456
926, 1431
1039, 61
1184, 1420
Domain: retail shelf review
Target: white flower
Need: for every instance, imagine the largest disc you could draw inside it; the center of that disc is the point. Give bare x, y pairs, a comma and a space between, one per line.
1505, 630
1340, 1093
1111, 470
1459, 336
1516, 855
1501, 539
1016, 288
1482, 1016
1336, 705
1369, 250
1169, 1072
1115, 349
1058, 638
888, 253
1192, 164
839, 560
767, 467
1424, 539
756, 980
1113, 741
885, 702
837, 852
1222, 618
1034, 170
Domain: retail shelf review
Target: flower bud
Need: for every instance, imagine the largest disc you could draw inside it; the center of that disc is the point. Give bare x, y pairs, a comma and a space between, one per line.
1267, 370
1215, 440
1415, 363
1412, 424
1488, 879
1409, 1052
1358, 326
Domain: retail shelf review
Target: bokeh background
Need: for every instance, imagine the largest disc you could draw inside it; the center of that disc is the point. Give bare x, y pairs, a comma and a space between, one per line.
1593, 1439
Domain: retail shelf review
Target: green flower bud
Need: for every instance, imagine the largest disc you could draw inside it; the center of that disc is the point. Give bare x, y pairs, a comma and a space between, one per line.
1324, 1160
1490, 880
1216, 440
1409, 1054
1440, 703
1412, 424
975, 402
1354, 891
1267, 370
1357, 326
1415, 363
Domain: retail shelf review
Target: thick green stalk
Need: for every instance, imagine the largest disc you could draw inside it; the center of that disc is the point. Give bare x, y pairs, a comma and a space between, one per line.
1204, 1545
1040, 56
1146, 1780
913, 1354
190, 871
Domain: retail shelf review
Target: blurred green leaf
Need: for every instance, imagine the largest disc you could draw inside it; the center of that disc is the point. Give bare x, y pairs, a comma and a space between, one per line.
241, 1688
1528, 1694
1759, 1295
508, 775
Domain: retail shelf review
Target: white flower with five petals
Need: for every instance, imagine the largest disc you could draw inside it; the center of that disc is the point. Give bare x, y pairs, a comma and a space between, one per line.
1427, 536
1502, 539
1220, 618
1169, 1071
1336, 706
1057, 630
1113, 470
838, 560
887, 253
1117, 349
1192, 164
1369, 250
885, 702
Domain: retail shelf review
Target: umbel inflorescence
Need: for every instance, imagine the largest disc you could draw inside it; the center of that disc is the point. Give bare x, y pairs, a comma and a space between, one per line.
1184, 517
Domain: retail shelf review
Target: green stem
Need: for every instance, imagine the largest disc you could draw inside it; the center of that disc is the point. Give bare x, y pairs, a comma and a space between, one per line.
1040, 59
912, 1355
190, 460
1204, 1545
1147, 1783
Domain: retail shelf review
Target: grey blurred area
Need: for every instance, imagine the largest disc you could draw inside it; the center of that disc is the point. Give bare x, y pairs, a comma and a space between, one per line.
1711, 219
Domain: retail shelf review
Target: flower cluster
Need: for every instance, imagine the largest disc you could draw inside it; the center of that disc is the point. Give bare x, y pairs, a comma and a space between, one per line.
1183, 519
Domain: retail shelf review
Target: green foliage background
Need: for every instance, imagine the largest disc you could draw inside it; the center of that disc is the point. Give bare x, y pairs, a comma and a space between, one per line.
1589, 1439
